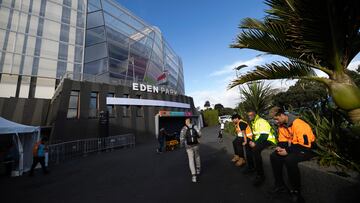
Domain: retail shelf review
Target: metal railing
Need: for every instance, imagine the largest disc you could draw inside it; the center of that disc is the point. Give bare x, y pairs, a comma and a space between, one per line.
68, 150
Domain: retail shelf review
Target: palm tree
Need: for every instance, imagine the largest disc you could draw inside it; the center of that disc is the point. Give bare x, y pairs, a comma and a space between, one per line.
313, 35
256, 96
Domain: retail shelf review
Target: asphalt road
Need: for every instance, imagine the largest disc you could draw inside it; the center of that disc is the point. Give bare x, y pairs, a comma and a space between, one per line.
139, 175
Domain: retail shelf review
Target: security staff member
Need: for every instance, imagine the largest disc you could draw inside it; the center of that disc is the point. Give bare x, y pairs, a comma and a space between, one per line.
240, 130
263, 137
299, 149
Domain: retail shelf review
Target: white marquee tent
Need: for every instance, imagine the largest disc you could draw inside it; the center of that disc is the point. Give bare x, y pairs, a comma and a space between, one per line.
24, 137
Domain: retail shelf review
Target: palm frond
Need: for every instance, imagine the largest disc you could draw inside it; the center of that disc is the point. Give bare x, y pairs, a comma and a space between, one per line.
275, 70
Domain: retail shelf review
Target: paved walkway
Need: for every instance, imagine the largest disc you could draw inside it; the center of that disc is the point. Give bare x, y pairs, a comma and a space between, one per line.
139, 175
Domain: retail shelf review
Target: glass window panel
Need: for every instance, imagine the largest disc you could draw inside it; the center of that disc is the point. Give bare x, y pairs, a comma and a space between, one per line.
121, 15
80, 19
95, 3
64, 33
66, 15
81, 5
49, 49
71, 51
73, 101
72, 35
79, 36
8, 85
96, 67
7, 63
74, 4
28, 64
78, 54
72, 113
119, 26
94, 19
73, 18
2, 38
36, 7
95, 35
16, 64
34, 21
92, 8
30, 45
6, 3
95, 52
23, 22
52, 30
25, 6
19, 43
70, 67
47, 68
15, 20
45, 88
24, 88
53, 11
63, 51
117, 66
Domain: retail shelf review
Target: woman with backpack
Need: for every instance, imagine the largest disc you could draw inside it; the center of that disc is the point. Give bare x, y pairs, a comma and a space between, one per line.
189, 136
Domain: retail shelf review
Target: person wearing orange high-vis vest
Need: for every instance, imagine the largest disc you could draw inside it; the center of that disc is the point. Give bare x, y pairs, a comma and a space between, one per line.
240, 131
298, 142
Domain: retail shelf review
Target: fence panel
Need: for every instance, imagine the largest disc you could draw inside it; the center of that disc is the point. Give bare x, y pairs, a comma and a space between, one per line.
68, 150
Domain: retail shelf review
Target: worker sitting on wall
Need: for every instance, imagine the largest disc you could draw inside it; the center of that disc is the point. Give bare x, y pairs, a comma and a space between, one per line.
298, 149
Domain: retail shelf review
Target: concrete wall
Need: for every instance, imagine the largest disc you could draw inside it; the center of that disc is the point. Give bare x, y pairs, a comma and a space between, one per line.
25, 111
318, 184
65, 129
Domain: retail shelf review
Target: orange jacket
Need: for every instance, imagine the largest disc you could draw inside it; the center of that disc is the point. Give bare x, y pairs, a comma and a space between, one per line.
248, 132
298, 131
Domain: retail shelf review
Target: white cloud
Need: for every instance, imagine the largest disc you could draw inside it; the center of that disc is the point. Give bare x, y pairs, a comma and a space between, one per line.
229, 69
354, 65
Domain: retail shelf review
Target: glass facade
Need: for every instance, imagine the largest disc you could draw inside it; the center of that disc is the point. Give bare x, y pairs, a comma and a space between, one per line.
43, 40
40, 40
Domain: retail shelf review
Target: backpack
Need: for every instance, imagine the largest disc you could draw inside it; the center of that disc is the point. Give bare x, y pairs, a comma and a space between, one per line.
191, 136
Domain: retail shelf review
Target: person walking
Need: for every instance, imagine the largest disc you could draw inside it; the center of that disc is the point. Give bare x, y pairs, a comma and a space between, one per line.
39, 150
189, 137
161, 139
298, 142
263, 137
221, 131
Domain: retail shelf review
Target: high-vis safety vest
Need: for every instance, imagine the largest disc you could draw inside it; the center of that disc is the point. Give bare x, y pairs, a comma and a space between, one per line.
301, 133
261, 126
248, 132
238, 131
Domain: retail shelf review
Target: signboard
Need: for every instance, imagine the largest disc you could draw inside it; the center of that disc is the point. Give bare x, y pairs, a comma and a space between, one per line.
145, 102
152, 89
174, 113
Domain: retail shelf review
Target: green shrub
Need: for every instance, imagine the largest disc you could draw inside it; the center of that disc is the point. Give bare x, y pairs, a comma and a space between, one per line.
211, 117
229, 128
337, 140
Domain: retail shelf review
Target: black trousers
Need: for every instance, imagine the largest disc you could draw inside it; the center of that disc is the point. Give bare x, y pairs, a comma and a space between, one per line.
238, 147
254, 157
37, 160
291, 162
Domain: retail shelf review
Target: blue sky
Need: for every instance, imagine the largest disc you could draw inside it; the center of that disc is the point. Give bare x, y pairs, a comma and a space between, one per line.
200, 32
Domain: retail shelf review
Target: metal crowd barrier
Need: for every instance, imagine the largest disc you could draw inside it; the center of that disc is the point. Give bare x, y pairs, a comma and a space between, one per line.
68, 150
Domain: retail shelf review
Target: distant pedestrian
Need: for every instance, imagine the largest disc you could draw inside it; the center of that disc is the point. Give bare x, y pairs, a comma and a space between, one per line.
189, 136
39, 150
161, 139
221, 131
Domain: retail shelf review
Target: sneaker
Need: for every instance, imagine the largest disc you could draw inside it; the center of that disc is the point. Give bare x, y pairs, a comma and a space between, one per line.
296, 197
193, 179
259, 180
